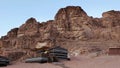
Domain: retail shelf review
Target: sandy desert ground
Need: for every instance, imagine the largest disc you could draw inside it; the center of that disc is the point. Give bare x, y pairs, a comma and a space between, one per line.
76, 62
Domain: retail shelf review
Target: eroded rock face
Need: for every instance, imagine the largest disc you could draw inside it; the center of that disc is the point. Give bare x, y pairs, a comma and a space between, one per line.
29, 28
12, 33
70, 12
111, 18
71, 26
70, 18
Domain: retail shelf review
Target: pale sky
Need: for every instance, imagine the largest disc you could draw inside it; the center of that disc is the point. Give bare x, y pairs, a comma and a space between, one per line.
14, 13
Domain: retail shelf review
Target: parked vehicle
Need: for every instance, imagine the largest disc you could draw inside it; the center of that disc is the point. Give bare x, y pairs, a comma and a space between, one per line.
50, 55
59, 53
4, 61
37, 60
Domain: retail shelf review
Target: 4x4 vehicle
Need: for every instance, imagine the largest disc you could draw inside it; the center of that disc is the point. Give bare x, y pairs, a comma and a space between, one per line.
4, 61
47, 54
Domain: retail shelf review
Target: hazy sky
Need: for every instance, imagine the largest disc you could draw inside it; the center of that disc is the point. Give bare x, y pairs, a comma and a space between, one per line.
14, 13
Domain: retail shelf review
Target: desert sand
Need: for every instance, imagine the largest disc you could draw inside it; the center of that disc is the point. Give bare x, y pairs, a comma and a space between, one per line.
76, 62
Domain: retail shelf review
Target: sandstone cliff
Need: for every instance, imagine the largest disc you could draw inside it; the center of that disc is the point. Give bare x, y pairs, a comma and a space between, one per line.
72, 28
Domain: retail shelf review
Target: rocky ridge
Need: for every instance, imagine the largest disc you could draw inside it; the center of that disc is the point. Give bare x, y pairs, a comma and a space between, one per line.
72, 28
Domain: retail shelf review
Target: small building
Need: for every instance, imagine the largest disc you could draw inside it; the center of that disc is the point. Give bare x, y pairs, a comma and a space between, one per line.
114, 51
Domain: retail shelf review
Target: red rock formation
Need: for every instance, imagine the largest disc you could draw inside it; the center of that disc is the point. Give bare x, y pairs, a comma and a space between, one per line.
71, 26
29, 28
111, 18
69, 16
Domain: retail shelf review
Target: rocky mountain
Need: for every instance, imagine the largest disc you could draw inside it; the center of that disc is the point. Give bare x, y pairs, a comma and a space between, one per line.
72, 28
